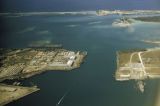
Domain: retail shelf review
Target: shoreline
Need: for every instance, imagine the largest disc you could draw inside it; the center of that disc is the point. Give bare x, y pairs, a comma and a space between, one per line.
29, 70
10, 93
25, 63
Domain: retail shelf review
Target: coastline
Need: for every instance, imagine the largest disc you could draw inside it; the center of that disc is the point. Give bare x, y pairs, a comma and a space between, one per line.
10, 93
32, 61
28, 70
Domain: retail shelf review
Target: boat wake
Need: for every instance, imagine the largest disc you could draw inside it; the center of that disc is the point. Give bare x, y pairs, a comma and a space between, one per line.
62, 98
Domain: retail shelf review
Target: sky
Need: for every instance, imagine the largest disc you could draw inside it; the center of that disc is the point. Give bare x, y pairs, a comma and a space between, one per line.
75, 5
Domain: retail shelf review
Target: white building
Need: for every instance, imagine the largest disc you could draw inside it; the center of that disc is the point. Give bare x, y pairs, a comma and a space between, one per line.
70, 62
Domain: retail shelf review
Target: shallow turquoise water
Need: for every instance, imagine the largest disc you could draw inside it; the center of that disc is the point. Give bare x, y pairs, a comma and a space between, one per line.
93, 84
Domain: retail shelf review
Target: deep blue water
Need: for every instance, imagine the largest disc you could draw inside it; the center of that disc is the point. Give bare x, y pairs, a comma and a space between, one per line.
93, 84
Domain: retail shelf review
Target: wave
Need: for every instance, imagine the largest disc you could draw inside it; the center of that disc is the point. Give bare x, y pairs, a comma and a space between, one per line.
96, 22
101, 26
72, 26
28, 29
44, 32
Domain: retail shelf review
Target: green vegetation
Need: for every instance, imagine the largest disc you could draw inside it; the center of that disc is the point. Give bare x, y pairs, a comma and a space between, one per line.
149, 19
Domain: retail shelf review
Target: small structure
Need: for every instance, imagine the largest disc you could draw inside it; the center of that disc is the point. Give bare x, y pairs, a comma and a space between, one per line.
70, 62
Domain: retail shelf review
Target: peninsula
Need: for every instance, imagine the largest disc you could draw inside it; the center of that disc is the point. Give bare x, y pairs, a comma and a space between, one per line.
26, 62
148, 19
9, 93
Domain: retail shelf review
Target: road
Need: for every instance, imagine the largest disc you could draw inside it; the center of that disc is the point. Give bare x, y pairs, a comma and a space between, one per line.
140, 58
130, 61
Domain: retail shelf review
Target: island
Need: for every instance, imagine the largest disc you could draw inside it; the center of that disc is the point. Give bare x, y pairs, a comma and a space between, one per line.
122, 22
138, 64
126, 12
131, 16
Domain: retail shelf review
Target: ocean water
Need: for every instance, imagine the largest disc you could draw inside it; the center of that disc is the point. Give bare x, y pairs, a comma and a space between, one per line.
93, 84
